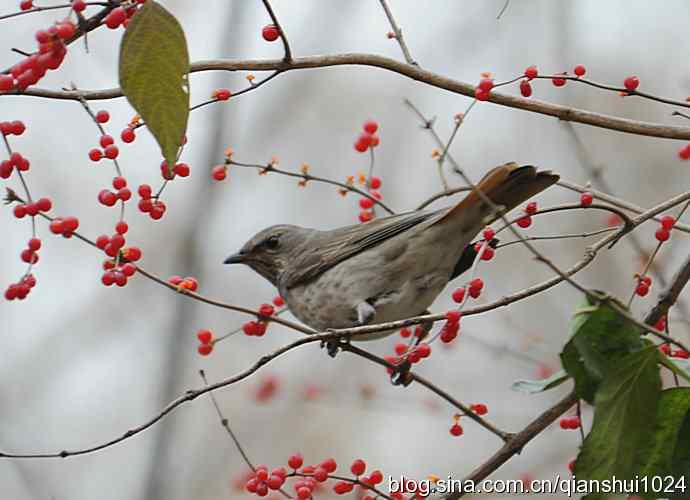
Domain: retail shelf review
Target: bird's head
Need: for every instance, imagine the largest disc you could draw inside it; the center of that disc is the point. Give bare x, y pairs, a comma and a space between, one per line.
271, 250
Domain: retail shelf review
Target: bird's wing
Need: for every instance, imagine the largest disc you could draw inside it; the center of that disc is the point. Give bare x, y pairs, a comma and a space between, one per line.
346, 242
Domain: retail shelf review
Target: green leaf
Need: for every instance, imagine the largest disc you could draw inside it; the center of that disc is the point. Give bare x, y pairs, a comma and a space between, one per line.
626, 404
154, 64
659, 456
681, 460
534, 386
600, 337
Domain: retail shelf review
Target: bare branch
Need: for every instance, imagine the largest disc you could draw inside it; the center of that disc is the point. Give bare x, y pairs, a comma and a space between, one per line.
433, 79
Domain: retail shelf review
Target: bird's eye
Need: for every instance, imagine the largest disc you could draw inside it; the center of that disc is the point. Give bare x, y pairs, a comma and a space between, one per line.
272, 242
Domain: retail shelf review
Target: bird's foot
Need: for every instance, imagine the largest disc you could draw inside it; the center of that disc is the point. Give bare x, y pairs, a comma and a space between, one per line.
334, 346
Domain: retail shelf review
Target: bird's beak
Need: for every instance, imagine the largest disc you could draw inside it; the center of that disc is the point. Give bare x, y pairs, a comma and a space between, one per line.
237, 258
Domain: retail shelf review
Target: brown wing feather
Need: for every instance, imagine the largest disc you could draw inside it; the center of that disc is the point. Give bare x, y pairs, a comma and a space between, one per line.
346, 242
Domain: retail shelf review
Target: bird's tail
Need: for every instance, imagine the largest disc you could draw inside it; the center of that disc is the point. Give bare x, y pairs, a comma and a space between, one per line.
506, 186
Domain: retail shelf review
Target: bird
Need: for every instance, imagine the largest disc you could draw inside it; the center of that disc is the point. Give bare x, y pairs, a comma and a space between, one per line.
387, 269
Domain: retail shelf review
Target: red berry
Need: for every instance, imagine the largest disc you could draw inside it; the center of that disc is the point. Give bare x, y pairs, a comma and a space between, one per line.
358, 467
29, 257
564, 423
486, 84
365, 216
222, 94
525, 88
366, 203
558, 82
586, 199
476, 284
631, 83
683, 153
424, 350
342, 487
102, 116
145, 191
66, 29
34, 244
121, 227
370, 126
303, 493
320, 474
275, 482
56, 226
665, 348
128, 269
19, 211
107, 198
204, 336
295, 461
647, 280
182, 169
487, 254
667, 221
453, 316
329, 464
219, 172
662, 234
580, 70
111, 152
78, 5
525, 221
456, 430
205, 349
119, 182
44, 204
116, 17
480, 409
106, 140
6, 82
375, 182
266, 310
458, 295
488, 234
531, 208
270, 32
531, 72
278, 301
26, 4
17, 127
361, 146
680, 353
127, 135
481, 95
376, 477
95, 154
70, 224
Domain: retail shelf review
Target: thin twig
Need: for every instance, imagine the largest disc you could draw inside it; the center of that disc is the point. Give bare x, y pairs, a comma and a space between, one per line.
286, 46
398, 33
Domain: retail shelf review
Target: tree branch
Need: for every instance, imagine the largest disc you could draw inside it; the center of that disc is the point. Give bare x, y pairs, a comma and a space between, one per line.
433, 79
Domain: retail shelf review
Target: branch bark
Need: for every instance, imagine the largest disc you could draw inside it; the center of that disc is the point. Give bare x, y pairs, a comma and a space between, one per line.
431, 78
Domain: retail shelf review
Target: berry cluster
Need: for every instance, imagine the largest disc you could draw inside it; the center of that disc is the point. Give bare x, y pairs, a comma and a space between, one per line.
120, 16
122, 193
675, 353
51, 53
570, 422
149, 204
526, 220
261, 481
368, 138
66, 226
32, 208
206, 342
180, 169
664, 232
488, 252
119, 267
644, 283
450, 329
257, 328
16, 160
20, 289
184, 284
